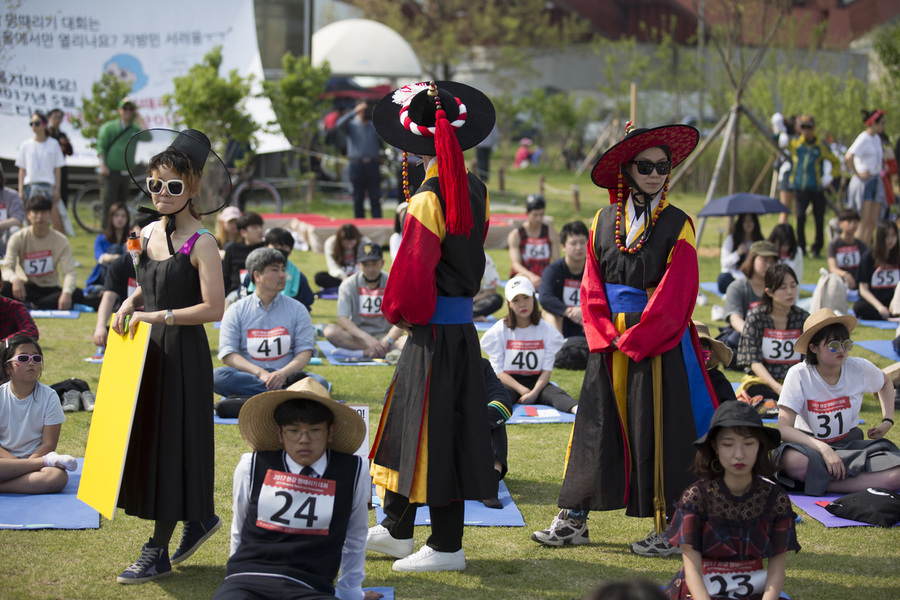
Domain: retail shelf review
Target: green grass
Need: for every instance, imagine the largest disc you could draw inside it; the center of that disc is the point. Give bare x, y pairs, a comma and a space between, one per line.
835, 564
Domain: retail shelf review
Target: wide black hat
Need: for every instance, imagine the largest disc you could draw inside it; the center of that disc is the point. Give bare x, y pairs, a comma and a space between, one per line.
737, 414
406, 117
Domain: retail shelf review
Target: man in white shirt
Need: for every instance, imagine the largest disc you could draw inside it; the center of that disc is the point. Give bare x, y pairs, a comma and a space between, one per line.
300, 500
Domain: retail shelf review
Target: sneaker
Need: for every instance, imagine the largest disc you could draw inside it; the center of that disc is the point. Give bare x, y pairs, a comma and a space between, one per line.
428, 560
71, 401
563, 530
153, 564
379, 539
655, 544
193, 535
88, 399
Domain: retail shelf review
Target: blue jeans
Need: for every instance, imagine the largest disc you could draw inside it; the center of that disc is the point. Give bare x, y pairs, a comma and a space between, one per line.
228, 381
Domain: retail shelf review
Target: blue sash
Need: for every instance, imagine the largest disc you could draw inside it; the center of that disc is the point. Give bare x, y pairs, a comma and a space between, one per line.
626, 299
452, 310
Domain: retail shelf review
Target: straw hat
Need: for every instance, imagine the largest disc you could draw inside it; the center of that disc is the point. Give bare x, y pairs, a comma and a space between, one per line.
259, 430
680, 139
720, 352
816, 321
737, 414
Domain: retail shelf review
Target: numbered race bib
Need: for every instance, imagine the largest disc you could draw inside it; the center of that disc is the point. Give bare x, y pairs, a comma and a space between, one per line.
4, 211
752, 306
370, 301
831, 420
293, 503
523, 357
38, 263
268, 344
132, 285
572, 292
536, 255
778, 346
734, 578
847, 257
885, 278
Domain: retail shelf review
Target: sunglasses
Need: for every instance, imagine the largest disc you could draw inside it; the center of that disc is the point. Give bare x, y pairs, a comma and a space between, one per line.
835, 346
128, 107
36, 123
26, 358
645, 167
807, 126
175, 187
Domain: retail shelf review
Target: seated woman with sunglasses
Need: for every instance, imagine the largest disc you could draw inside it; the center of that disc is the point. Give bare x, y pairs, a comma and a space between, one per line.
30, 421
823, 449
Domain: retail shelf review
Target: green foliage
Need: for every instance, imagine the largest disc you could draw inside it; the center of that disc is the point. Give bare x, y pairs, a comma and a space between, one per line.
444, 33
213, 104
297, 97
561, 119
101, 106
887, 46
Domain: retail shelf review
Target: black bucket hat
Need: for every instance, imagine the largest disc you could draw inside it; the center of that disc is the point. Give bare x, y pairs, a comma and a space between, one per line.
737, 414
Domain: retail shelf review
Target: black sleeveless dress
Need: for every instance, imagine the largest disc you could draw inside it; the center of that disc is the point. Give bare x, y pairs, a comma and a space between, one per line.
169, 469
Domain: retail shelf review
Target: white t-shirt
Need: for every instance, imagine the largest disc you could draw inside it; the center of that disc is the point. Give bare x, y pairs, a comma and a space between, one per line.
829, 412
22, 421
867, 153
525, 351
39, 159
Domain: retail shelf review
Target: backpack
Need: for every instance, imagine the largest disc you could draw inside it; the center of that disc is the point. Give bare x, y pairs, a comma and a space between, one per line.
573, 354
78, 385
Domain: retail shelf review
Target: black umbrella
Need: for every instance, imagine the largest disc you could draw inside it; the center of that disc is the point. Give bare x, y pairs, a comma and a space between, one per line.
741, 203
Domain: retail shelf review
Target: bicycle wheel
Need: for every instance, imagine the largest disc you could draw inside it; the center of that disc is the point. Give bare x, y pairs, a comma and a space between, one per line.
257, 195
87, 208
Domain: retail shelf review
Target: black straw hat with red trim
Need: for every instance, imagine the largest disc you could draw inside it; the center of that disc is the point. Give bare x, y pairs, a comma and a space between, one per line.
439, 119
679, 139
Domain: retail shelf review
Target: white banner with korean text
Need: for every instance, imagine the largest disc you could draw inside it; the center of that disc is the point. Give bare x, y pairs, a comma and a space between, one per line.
53, 51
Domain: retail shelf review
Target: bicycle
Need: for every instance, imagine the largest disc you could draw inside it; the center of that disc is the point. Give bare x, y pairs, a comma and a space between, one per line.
249, 193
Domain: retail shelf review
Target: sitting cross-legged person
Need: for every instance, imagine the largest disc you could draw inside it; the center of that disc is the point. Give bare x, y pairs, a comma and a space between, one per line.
266, 339
361, 324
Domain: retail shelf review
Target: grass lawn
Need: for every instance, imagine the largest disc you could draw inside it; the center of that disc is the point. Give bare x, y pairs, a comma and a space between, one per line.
835, 564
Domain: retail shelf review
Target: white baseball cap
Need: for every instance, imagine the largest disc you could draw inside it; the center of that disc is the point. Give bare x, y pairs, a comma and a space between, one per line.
517, 286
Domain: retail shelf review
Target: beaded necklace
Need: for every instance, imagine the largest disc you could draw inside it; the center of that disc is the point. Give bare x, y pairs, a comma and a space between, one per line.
620, 203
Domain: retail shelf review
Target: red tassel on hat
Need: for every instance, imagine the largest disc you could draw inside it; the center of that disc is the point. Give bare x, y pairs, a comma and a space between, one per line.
452, 169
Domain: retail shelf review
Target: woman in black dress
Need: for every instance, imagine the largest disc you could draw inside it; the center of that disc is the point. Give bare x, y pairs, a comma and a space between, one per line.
169, 470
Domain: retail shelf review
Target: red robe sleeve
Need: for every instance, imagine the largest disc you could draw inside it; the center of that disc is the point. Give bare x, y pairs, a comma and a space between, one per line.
669, 310
599, 329
411, 291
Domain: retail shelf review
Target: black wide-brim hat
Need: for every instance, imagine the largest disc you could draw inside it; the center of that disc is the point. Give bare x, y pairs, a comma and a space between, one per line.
735, 413
680, 139
468, 109
196, 146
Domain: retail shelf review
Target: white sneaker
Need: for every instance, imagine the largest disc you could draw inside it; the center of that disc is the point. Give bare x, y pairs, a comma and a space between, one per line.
717, 312
88, 399
379, 539
428, 559
71, 401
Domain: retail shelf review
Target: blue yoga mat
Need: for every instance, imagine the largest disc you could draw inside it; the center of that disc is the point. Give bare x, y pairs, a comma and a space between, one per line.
520, 416
884, 348
477, 514
712, 287
49, 511
55, 314
485, 325
327, 349
809, 506
387, 593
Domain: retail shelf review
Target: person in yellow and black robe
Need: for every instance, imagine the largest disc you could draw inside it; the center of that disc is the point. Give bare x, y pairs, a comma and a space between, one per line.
433, 443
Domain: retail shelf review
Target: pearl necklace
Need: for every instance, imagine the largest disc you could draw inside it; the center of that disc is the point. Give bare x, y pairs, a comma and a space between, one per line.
622, 247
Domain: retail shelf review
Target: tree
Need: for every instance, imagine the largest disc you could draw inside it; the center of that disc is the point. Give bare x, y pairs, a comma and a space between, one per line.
561, 119
887, 47
445, 33
101, 106
205, 101
297, 98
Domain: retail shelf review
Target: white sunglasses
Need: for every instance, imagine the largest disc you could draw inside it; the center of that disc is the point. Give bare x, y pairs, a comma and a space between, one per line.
175, 187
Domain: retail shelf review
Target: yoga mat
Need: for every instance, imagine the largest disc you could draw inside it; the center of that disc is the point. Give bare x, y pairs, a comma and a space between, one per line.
883, 348
852, 295
712, 287
49, 511
327, 349
55, 314
477, 514
892, 325
538, 413
387, 593
485, 325
809, 506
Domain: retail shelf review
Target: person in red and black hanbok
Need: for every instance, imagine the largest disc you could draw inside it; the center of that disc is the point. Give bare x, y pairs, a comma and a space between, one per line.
646, 396
433, 444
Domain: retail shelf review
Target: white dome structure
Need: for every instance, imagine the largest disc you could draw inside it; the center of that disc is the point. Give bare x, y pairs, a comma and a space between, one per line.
360, 47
